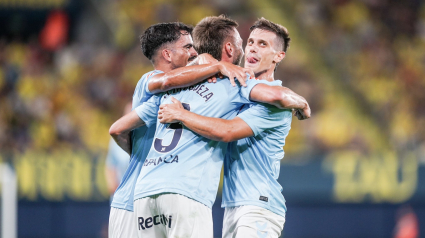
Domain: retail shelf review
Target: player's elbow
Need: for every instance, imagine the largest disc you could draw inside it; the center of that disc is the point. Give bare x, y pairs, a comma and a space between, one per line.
277, 98
114, 130
226, 136
225, 139
161, 84
285, 100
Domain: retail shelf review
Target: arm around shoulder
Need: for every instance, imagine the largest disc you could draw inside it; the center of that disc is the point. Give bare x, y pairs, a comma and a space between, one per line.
281, 97
212, 128
182, 77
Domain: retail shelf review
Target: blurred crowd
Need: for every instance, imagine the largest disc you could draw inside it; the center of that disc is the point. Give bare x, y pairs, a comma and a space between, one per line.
65, 98
360, 64
371, 55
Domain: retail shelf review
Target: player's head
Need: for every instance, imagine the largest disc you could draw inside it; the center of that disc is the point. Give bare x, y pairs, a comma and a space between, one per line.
266, 46
168, 42
218, 37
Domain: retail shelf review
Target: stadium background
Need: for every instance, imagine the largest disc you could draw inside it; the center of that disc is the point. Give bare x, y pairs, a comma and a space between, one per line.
355, 169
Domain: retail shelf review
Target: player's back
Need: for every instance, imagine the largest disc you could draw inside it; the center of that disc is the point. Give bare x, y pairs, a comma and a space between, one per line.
181, 161
252, 164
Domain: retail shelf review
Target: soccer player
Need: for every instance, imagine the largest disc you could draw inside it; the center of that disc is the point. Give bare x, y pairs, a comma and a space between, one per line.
254, 205
179, 179
169, 46
116, 162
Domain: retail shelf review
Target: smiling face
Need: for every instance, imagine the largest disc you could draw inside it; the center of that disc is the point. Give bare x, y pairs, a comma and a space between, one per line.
182, 51
263, 51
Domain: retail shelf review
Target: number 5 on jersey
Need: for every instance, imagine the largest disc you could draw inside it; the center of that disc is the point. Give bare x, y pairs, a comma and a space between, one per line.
178, 130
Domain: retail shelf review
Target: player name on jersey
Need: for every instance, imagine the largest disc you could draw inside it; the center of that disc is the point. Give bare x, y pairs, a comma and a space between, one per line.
199, 89
168, 160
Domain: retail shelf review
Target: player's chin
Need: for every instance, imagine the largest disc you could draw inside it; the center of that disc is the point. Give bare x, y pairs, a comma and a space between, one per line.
249, 65
252, 66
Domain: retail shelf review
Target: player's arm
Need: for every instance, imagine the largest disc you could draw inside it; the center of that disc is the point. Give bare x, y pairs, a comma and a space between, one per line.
120, 130
281, 97
110, 175
230, 130
144, 114
110, 169
203, 59
189, 75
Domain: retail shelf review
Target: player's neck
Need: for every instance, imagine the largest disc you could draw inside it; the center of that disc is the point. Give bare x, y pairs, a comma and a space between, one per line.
265, 75
163, 67
226, 59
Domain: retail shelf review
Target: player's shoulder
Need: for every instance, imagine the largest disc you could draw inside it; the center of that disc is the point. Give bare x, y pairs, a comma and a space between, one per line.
226, 90
148, 75
276, 82
143, 81
225, 83
219, 86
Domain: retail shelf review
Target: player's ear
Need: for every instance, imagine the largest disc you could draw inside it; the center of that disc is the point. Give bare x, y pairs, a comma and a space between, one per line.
166, 54
229, 50
279, 56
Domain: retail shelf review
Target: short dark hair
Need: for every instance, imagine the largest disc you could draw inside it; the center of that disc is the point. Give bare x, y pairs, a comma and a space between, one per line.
280, 31
160, 34
210, 33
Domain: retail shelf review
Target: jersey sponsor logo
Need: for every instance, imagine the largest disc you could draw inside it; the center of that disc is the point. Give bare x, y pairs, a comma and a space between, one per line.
200, 89
148, 222
263, 198
169, 159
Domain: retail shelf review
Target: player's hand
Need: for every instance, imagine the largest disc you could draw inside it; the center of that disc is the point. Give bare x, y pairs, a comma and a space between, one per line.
206, 59
169, 113
250, 72
233, 71
213, 79
302, 114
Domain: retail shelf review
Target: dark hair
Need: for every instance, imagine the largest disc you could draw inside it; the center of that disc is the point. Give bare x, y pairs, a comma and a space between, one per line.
280, 31
159, 34
210, 33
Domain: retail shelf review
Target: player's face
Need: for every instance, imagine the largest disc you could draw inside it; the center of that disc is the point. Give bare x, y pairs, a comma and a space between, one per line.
183, 51
261, 54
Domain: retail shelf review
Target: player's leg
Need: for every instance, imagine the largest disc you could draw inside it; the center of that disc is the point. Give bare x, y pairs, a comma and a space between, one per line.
229, 222
121, 224
257, 222
186, 217
149, 222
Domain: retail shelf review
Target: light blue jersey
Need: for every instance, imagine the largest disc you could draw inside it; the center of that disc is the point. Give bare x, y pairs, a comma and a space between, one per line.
252, 164
141, 139
117, 159
181, 161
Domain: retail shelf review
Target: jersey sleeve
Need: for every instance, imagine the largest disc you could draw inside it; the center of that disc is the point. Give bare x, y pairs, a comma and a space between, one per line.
142, 92
261, 117
148, 110
251, 83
